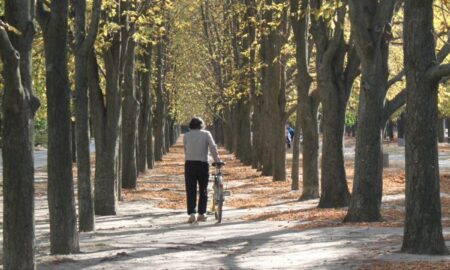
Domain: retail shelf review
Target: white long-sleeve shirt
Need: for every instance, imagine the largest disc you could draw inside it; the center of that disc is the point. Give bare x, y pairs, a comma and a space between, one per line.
196, 143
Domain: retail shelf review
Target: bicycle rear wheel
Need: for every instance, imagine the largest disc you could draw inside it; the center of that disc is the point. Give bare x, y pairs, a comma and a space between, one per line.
219, 210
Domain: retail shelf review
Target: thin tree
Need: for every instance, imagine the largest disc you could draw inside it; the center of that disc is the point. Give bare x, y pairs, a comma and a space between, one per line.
145, 140
53, 20
130, 104
307, 106
106, 112
83, 45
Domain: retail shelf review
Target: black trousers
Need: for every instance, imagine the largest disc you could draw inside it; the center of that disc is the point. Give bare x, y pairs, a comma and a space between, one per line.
196, 172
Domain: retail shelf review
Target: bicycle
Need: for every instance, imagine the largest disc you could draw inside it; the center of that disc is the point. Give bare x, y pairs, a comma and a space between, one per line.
219, 191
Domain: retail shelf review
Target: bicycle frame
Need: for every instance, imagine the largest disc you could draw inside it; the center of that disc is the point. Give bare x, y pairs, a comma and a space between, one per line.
219, 193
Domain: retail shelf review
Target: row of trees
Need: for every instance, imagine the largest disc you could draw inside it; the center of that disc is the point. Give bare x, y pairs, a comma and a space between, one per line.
329, 51
100, 61
138, 67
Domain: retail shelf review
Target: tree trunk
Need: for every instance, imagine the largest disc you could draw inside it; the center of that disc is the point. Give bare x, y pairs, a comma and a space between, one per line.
373, 50
228, 131
401, 126
106, 112
448, 129
257, 133
130, 107
73, 140
150, 139
19, 106
296, 148
84, 43
160, 105
274, 87
365, 202
167, 133
218, 131
423, 228
335, 78
390, 130
61, 202
106, 121
279, 121
440, 129
306, 108
334, 189
243, 140
310, 149
145, 112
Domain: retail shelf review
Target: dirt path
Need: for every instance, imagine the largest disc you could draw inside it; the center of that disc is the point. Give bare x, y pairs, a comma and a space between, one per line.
264, 227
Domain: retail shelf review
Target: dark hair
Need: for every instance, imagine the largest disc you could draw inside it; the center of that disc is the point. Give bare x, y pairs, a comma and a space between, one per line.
196, 123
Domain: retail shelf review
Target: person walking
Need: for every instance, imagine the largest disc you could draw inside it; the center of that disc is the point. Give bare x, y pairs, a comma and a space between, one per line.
196, 169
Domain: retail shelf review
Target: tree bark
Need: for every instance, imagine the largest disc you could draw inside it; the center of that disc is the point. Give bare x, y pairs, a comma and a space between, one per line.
423, 228
448, 129
228, 131
440, 129
61, 202
167, 131
160, 105
106, 112
257, 132
145, 159
130, 107
371, 28
307, 106
334, 189
19, 106
84, 44
335, 78
273, 77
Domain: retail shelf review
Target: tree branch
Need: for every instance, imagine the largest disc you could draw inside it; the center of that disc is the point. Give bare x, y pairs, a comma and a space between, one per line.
444, 51
352, 69
42, 15
291, 111
95, 92
437, 72
396, 78
7, 50
93, 26
391, 106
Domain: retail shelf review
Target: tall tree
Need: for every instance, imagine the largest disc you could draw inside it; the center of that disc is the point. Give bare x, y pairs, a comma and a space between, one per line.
307, 106
145, 148
160, 129
335, 77
63, 221
423, 228
130, 104
83, 45
106, 112
19, 107
241, 43
371, 29
274, 91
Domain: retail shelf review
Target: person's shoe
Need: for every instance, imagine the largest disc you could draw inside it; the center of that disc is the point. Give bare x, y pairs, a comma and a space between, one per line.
201, 217
191, 218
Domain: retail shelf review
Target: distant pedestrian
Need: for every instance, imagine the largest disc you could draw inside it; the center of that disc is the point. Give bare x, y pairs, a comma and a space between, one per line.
288, 136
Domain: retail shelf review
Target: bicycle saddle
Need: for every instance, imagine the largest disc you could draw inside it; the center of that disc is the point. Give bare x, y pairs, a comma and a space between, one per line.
218, 164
